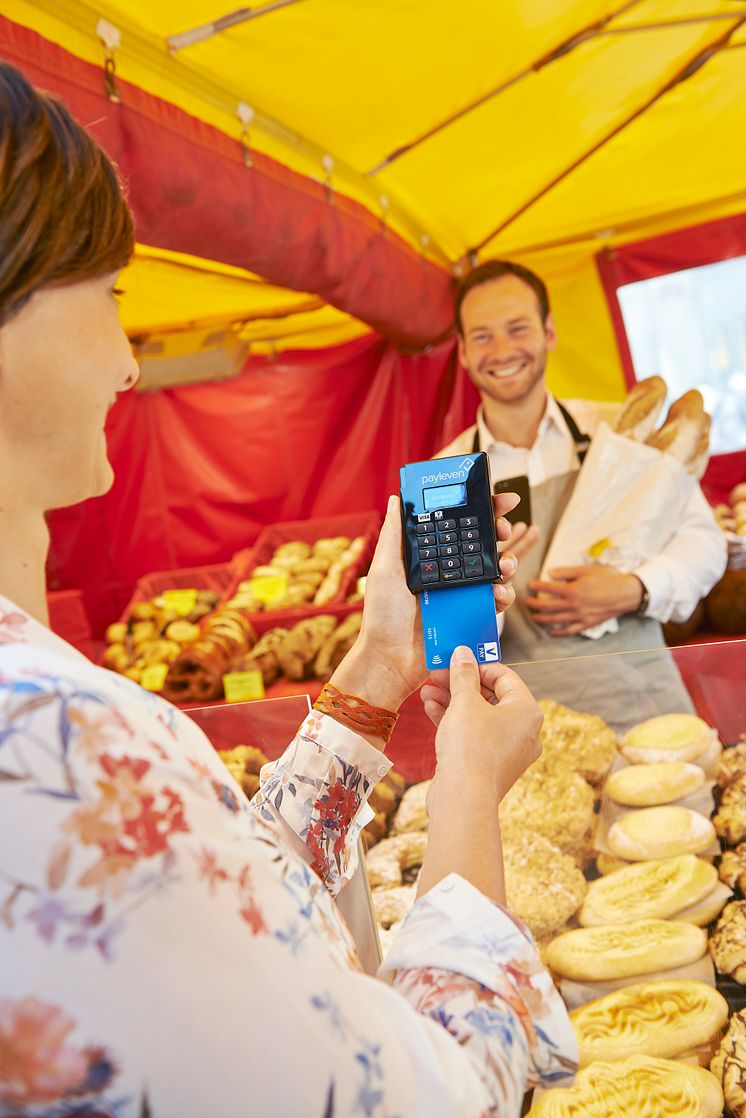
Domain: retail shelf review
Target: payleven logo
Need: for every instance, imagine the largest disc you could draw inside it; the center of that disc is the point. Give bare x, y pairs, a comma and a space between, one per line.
459, 474
488, 652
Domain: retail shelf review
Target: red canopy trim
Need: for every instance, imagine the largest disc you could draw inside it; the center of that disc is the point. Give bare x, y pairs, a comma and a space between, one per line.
191, 192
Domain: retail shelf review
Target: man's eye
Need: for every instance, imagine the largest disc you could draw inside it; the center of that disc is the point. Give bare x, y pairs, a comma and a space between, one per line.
117, 292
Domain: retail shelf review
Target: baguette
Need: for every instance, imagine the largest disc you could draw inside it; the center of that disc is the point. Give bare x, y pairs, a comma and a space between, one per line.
641, 408
698, 463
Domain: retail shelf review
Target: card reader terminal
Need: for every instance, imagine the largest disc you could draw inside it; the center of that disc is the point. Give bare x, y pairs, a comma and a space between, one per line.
449, 522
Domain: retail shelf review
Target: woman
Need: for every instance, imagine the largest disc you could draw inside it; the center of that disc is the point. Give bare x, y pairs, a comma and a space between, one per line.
165, 948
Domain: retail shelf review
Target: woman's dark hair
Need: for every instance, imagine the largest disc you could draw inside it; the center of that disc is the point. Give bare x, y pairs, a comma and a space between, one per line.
494, 270
63, 217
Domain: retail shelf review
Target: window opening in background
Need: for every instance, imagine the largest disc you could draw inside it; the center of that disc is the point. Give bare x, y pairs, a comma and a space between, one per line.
690, 328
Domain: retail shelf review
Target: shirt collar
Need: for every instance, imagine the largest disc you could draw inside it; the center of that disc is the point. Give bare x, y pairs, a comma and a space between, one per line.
552, 417
19, 627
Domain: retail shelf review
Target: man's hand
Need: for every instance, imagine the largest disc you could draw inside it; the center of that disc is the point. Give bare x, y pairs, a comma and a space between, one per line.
579, 597
522, 539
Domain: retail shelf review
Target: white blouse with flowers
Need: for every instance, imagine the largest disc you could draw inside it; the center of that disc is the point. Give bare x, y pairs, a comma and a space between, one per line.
168, 950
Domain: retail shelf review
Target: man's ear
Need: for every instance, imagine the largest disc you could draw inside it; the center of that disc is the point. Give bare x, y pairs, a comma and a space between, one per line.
550, 331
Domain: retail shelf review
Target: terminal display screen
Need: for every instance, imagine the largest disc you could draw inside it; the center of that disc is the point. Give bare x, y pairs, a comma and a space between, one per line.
444, 497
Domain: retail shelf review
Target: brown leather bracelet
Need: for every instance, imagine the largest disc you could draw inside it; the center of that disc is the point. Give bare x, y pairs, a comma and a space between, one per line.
356, 713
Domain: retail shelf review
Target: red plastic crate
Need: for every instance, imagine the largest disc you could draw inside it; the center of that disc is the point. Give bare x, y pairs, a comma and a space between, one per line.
366, 524
213, 577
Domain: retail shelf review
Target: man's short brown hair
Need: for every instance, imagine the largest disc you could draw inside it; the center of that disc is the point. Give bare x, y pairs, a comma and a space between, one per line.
63, 217
494, 270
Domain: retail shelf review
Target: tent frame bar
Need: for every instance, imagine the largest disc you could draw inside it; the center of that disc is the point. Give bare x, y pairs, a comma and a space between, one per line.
700, 59
215, 27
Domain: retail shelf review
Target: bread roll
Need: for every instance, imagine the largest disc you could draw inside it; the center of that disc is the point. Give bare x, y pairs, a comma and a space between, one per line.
640, 410
668, 737
656, 889
660, 832
657, 783
663, 1018
621, 951
638, 1087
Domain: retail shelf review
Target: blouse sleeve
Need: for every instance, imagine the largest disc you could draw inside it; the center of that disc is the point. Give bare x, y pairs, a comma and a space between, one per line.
465, 963
316, 795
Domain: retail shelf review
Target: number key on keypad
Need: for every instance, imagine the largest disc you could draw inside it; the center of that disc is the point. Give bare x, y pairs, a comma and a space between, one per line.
428, 553
468, 522
450, 564
426, 541
470, 534
470, 548
425, 528
446, 525
448, 537
451, 549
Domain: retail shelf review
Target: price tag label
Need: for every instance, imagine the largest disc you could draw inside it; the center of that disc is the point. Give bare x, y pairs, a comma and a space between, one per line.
153, 677
181, 601
242, 687
269, 589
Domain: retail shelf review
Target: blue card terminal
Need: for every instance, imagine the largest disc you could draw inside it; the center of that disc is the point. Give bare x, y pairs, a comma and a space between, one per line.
450, 553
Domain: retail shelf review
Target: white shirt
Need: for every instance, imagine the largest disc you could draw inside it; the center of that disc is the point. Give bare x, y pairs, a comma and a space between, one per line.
168, 948
693, 559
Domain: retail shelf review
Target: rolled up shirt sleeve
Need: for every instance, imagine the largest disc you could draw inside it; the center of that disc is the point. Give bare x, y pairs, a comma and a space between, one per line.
462, 961
688, 566
316, 795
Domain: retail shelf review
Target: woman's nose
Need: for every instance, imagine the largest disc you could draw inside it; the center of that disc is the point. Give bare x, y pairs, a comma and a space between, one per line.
132, 377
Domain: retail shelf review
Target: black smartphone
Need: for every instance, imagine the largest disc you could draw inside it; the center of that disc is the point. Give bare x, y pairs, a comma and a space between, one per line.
522, 512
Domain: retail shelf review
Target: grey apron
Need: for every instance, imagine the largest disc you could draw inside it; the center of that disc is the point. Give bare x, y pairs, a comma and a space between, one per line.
577, 671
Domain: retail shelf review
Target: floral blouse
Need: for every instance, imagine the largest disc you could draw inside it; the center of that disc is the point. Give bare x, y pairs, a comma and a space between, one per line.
169, 950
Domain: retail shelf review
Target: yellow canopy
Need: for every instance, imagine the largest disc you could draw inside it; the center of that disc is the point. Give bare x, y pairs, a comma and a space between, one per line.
540, 130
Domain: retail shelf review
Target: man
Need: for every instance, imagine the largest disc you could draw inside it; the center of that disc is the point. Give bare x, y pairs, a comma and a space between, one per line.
505, 333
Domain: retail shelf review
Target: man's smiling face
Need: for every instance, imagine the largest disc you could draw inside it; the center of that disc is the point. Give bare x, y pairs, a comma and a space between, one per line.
505, 343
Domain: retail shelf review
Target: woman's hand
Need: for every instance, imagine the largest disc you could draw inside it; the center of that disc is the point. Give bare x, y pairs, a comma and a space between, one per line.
387, 663
488, 724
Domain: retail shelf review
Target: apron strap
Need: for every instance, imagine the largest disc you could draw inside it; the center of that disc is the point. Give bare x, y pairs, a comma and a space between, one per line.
582, 442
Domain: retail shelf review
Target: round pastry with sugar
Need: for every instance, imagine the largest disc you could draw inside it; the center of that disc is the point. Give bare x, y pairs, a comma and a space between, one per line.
660, 782
392, 905
557, 804
728, 941
668, 737
623, 950
663, 1018
387, 861
660, 832
655, 889
412, 811
543, 886
639, 1086
729, 1065
730, 817
582, 742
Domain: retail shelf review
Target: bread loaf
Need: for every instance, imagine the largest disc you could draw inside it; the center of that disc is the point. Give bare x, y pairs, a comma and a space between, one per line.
640, 410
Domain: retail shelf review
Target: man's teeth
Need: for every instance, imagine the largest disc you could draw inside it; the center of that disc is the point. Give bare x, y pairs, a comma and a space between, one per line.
502, 371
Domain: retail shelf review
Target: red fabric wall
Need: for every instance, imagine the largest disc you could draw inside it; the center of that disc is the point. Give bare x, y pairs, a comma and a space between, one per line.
190, 191
201, 469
